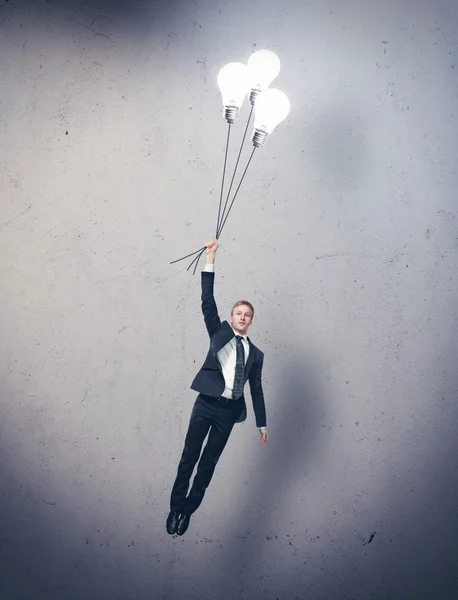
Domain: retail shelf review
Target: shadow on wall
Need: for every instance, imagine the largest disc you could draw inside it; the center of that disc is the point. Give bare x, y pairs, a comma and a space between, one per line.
293, 445
413, 554
101, 17
40, 553
112, 7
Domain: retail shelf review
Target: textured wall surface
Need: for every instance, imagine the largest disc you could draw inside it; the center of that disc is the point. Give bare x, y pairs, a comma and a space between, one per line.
344, 236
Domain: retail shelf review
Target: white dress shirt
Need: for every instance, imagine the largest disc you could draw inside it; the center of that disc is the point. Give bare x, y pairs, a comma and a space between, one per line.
227, 356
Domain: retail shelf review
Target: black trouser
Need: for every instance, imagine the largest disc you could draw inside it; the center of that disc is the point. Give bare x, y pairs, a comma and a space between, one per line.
217, 415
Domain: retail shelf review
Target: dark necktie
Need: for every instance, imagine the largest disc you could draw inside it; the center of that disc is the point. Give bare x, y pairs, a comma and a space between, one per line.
239, 369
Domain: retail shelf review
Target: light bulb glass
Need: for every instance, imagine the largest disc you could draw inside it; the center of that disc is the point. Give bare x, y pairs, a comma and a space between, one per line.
263, 67
271, 108
233, 84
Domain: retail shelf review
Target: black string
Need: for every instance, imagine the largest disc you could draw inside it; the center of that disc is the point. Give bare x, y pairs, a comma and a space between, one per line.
222, 181
219, 209
220, 228
195, 267
187, 255
236, 192
193, 261
222, 216
199, 253
196, 260
235, 170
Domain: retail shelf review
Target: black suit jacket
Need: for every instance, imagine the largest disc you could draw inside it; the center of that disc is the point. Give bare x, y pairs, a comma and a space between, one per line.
210, 380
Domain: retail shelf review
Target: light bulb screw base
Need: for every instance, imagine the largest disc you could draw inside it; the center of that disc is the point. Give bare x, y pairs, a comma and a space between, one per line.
254, 94
258, 138
231, 113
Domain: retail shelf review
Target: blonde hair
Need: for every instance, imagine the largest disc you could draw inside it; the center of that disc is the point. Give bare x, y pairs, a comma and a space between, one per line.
245, 302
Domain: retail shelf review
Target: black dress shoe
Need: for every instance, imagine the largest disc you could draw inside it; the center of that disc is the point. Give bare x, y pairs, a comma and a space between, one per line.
172, 522
183, 524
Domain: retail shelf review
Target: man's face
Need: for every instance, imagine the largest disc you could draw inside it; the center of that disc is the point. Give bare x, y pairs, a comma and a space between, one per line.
241, 318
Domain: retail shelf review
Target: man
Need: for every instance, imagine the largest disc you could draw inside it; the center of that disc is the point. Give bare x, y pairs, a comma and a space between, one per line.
231, 360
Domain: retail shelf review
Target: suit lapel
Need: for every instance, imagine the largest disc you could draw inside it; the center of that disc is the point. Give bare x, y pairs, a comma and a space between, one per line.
221, 338
250, 361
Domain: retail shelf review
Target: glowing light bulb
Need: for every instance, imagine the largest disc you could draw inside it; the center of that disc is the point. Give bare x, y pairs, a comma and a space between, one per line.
234, 84
271, 108
263, 67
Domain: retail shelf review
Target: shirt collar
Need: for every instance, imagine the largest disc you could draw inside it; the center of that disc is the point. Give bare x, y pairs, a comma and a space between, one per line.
245, 337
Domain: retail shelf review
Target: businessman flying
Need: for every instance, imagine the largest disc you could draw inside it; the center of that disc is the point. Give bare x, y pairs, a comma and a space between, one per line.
232, 359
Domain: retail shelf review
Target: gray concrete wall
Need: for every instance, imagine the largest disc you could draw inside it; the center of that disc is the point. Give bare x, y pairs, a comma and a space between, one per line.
345, 239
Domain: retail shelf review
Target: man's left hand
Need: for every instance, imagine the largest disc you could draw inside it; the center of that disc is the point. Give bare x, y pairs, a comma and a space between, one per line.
263, 436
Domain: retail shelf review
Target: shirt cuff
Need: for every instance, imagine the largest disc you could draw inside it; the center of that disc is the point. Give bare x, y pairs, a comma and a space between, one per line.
209, 268
262, 428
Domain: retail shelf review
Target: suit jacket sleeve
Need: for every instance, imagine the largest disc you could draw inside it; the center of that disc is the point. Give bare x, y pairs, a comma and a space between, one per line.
209, 308
257, 393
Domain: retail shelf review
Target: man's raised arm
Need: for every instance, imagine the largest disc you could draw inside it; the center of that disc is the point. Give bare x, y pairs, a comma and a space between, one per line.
209, 309
212, 247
